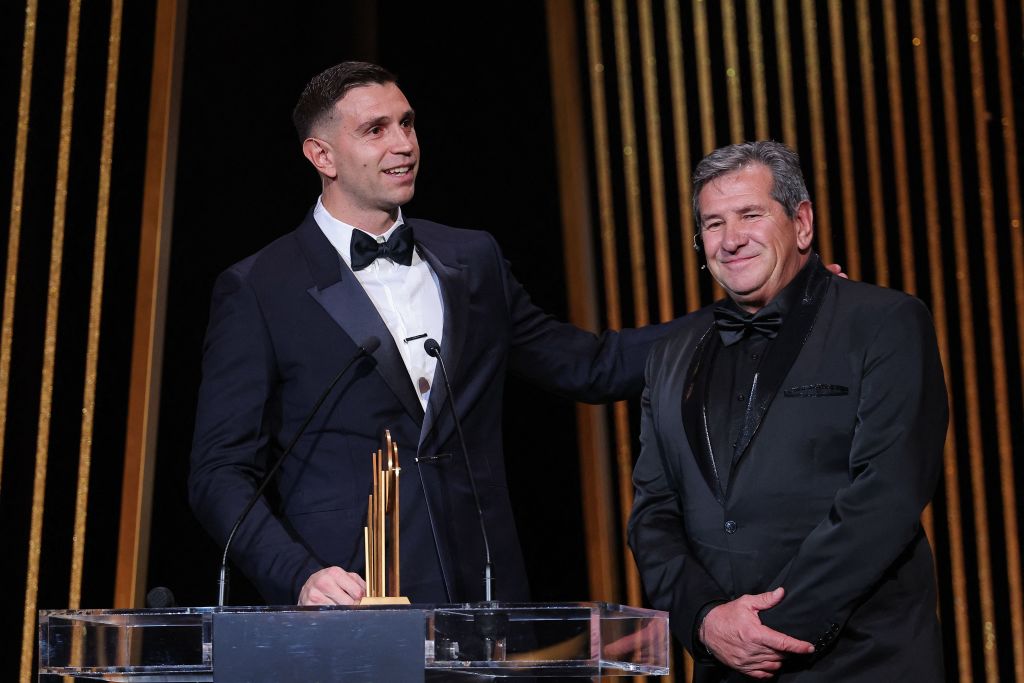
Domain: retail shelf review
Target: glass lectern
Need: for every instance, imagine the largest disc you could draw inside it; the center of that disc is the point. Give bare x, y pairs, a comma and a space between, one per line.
371, 643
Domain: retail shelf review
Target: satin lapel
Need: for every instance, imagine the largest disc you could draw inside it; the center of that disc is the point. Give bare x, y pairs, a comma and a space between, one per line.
451, 276
343, 298
694, 411
784, 351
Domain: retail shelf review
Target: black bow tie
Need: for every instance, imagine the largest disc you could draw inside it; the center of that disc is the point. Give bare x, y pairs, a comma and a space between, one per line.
734, 326
364, 250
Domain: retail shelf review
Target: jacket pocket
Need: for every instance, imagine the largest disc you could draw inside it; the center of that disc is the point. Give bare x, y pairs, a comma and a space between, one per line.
816, 391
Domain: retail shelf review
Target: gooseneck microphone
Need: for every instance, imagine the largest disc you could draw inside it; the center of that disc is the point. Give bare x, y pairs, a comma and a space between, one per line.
369, 345
433, 349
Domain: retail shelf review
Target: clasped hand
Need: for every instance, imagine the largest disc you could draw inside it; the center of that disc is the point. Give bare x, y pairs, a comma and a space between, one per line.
734, 634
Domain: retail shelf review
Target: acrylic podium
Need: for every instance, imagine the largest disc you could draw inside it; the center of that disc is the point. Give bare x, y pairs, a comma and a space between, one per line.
379, 643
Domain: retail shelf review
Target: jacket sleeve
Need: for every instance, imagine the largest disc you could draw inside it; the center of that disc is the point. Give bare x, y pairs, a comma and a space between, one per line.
569, 361
232, 445
674, 580
894, 464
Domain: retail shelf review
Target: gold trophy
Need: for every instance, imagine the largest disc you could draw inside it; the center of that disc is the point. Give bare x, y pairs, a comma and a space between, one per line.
380, 535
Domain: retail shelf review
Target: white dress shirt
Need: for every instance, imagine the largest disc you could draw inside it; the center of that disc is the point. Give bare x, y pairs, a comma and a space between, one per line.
408, 298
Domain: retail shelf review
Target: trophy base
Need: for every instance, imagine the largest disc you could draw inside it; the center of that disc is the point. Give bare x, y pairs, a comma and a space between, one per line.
390, 600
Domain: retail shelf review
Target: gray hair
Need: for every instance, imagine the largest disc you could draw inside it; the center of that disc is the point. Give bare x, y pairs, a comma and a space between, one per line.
788, 186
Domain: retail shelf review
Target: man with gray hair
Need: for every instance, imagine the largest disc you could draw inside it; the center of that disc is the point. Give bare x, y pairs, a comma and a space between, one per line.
791, 436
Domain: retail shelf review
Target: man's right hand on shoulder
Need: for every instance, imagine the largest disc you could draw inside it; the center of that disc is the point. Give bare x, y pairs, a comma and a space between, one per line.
332, 586
734, 634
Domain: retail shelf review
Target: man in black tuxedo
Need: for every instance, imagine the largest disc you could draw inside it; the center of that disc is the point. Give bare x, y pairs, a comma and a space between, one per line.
285, 320
791, 436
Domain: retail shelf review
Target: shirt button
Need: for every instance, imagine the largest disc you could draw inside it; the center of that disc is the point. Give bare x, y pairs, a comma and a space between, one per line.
740, 397
730, 527
753, 356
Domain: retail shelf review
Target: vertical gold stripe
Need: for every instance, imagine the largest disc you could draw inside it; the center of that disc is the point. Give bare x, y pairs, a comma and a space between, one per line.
848, 184
704, 93
757, 77
782, 50
150, 301
681, 133
606, 210
623, 451
659, 219
934, 230
14, 230
969, 357
49, 343
732, 70
1016, 232
899, 149
877, 200
608, 249
630, 164
624, 473
594, 450
11, 281
95, 305
996, 334
822, 209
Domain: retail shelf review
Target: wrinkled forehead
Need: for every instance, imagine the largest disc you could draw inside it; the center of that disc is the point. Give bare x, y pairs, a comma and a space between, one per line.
750, 184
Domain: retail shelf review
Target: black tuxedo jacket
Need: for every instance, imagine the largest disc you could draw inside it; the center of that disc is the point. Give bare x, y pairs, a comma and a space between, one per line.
839, 454
285, 320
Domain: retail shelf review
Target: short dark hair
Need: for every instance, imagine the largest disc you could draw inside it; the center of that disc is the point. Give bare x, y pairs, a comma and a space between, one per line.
788, 187
325, 89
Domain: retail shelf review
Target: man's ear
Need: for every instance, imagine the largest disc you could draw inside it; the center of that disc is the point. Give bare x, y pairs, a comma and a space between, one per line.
321, 155
804, 220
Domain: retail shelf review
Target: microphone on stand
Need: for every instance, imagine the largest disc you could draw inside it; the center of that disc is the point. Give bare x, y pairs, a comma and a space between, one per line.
433, 349
369, 345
